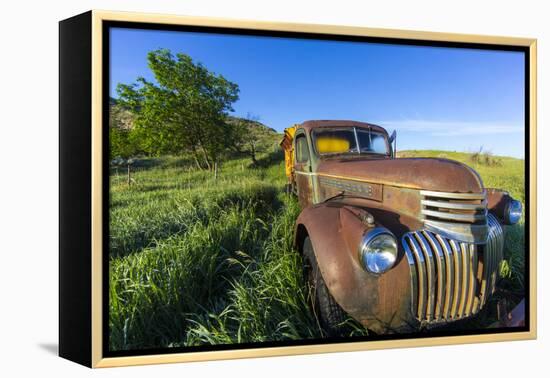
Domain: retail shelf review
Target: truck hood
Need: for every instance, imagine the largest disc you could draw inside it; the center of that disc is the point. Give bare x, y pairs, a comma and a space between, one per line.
416, 173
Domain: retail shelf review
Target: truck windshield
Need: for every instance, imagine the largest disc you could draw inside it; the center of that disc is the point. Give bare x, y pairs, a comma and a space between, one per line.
349, 140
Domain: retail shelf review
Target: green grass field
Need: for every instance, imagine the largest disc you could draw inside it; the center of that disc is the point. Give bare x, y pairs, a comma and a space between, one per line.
196, 260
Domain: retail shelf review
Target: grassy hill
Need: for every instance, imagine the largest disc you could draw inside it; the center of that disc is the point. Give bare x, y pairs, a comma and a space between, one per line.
197, 260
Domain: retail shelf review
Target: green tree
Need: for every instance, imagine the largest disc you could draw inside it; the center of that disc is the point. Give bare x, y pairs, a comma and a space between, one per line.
122, 139
250, 137
184, 111
122, 144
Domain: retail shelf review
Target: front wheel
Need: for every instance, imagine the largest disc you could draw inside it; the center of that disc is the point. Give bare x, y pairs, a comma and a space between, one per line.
327, 312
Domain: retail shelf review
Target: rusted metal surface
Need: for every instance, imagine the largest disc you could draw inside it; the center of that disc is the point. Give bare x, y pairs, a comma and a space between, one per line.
407, 201
381, 303
329, 187
415, 173
304, 184
456, 245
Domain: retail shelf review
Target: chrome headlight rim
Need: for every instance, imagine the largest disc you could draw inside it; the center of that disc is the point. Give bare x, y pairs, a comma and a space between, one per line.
370, 260
514, 212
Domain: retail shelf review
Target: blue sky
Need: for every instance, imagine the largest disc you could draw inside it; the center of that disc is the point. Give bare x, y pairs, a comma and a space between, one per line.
436, 98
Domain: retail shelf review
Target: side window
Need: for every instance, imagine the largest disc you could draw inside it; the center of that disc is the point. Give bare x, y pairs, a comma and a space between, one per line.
302, 151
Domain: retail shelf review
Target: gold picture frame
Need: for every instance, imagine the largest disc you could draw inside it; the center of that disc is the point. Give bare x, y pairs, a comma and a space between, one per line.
92, 24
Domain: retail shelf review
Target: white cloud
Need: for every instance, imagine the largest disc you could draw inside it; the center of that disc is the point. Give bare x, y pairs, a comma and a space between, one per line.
453, 128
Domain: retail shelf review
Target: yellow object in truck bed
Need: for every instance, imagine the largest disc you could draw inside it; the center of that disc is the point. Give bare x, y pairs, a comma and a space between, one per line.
286, 144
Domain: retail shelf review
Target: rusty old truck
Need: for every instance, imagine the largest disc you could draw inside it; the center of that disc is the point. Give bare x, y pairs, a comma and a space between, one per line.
398, 244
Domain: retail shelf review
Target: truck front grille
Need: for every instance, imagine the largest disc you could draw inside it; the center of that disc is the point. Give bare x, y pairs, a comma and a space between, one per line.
451, 280
457, 216
454, 207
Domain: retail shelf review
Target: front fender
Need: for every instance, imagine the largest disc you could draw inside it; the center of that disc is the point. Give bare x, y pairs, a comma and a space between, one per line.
498, 201
382, 303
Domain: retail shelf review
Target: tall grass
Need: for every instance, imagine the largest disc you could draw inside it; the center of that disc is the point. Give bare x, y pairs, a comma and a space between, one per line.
196, 260
154, 291
267, 301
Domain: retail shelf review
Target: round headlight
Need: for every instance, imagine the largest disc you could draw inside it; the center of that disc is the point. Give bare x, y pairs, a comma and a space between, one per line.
378, 250
513, 212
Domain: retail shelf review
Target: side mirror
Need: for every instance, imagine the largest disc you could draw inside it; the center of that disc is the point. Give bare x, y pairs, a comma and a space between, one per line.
392, 136
393, 139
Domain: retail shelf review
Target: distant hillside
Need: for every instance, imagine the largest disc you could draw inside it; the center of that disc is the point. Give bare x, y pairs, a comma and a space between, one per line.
264, 128
124, 118
478, 156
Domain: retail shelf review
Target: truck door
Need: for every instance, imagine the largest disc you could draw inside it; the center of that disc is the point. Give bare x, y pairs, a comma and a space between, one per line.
302, 170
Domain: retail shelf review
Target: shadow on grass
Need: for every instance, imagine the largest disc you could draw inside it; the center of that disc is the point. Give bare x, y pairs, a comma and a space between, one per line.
147, 163
271, 159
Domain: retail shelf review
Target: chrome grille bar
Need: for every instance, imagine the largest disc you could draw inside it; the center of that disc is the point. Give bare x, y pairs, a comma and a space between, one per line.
453, 205
449, 274
450, 195
464, 279
445, 280
416, 259
494, 248
440, 273
457, 217
472, 279
430, 273
457, 259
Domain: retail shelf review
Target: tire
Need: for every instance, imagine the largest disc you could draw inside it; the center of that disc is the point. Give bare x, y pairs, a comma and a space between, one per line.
288, 189
328, 313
